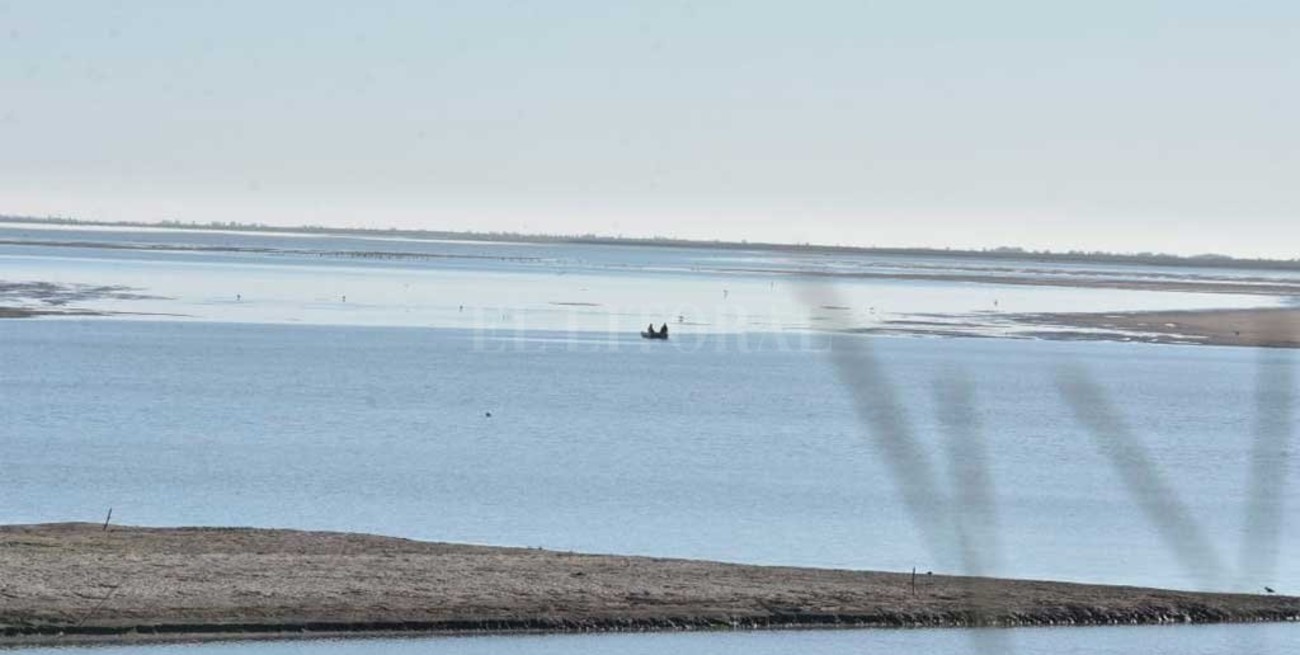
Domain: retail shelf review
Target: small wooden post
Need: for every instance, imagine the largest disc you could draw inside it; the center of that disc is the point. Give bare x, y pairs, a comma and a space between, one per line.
107, 519
913, 580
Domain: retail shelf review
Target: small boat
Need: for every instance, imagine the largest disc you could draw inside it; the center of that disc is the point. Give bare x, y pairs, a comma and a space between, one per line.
651, 333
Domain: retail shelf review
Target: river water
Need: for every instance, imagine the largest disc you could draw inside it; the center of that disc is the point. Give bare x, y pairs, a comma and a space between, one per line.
1150, 640
256, 394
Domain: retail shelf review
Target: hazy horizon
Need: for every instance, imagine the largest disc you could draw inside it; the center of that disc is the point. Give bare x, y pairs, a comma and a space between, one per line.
236, 226
1165, 127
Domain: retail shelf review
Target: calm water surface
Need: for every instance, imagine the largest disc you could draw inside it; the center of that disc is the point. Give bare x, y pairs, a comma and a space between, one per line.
1150, 640
733, 447
291, 407
327, 280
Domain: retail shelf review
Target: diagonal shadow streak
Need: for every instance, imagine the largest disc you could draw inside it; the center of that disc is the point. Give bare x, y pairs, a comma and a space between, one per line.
953, 528
1274, 420
945, 527
974, 508
877, 405
1143, 481
975, 514
973, 484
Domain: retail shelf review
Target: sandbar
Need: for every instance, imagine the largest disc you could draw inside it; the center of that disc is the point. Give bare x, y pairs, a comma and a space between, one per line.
77, 582
1272, 327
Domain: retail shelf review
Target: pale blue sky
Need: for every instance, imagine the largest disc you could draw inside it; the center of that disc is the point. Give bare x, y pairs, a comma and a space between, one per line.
1167, 126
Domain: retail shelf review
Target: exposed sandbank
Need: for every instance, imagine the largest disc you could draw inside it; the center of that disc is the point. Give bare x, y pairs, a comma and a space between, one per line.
63, 583
1259, 328
27, 312
31, 299
1278, 287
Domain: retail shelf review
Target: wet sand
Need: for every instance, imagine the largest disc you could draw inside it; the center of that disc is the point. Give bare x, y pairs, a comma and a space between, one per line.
24, 312
32, 299
1259, 328
68, 583
1181, 285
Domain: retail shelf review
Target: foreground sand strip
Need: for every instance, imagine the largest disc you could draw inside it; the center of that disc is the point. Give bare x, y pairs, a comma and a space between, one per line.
77, 582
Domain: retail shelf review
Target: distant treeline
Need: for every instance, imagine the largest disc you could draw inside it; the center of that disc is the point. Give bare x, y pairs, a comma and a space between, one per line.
1005, 252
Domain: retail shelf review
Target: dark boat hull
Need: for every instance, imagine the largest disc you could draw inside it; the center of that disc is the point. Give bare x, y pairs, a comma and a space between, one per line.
653, 335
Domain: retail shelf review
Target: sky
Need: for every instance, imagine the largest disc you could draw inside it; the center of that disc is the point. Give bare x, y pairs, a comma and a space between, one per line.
1107, 125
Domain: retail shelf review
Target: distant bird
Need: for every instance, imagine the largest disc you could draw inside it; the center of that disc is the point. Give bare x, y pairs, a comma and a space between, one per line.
487, 414
1269, 590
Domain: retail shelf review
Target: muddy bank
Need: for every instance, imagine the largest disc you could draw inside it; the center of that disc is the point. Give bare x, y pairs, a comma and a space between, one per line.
32, 299
75, 582
1181, 285
1259, 328
25, 312
53, 294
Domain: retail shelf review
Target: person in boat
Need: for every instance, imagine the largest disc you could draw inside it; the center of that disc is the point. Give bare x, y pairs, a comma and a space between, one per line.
650, 329
663, 331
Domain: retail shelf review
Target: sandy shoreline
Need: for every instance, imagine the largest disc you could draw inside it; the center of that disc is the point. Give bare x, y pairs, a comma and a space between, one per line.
1257, 328
1187, 285
1267, 327
67, 583
24, 312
